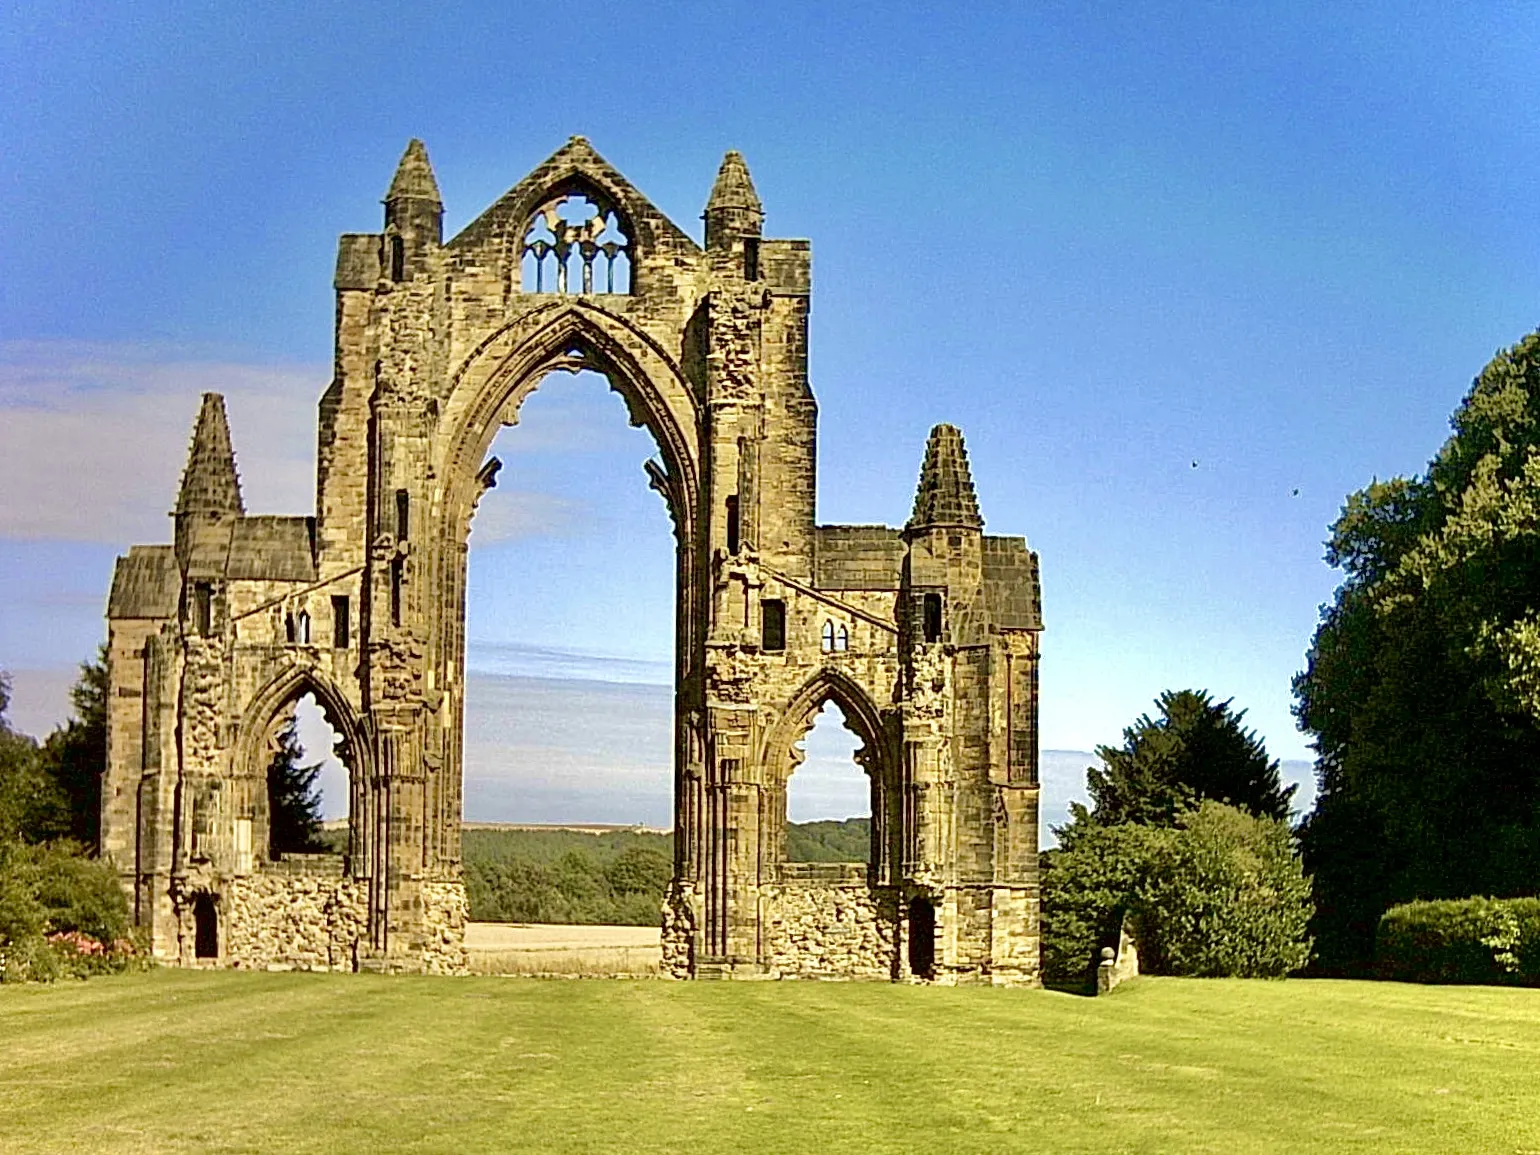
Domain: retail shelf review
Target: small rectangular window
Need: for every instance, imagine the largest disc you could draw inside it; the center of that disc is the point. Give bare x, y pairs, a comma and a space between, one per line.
772, 616
397, 259
932, 617
340, 625
732, 525
395, 592
751, 258
403, 514
203, 608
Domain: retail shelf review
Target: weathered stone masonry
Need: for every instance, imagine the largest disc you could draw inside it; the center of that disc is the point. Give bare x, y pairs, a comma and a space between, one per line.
926, 636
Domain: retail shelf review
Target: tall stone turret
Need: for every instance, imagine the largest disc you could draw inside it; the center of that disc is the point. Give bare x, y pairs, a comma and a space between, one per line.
733, 213
945, 534
414, 213
209, 501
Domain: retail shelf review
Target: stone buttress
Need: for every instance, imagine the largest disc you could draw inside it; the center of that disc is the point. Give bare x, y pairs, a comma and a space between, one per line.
926, 637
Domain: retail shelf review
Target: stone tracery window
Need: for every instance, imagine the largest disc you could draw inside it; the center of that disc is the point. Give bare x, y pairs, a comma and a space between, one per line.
576, 242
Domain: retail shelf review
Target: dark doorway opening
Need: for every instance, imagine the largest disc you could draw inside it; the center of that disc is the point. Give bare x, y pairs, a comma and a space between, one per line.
205, 927
922, 937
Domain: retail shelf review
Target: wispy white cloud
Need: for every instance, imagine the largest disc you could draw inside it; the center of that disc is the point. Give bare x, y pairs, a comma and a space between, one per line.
93, 438
513, 659
508, 515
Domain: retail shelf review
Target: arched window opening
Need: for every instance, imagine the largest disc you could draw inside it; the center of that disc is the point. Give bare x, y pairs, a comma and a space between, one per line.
307, 783
826, 637
205, 926
302, 628
288, 628
932, 617
841, 639
576, 243
829, 796
569, 662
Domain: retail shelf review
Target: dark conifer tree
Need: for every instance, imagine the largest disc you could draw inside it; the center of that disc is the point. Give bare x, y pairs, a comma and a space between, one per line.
293, 797
1196, 749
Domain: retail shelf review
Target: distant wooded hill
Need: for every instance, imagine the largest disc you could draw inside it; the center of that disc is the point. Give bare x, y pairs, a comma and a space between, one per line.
610, 877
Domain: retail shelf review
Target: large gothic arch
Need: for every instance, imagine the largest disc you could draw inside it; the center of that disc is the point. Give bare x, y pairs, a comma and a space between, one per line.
438, 343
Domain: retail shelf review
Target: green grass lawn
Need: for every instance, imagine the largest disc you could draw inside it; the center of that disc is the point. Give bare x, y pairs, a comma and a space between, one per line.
175, 1061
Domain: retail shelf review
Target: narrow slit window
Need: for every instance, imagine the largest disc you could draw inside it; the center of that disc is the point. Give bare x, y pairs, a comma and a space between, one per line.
932, 617
288, 628
395, 592
751, 259
203, 608
826, 638
403, 514
841, 639
772, 616
397, 259
302, 628
733, 525
341, 627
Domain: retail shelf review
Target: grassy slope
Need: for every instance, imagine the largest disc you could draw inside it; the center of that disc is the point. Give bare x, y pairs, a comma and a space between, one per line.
206, 1061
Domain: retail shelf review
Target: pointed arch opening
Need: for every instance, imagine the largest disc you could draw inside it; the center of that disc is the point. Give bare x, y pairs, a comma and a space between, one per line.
512, 379
833, 736
304, 757
829, 792
569, 617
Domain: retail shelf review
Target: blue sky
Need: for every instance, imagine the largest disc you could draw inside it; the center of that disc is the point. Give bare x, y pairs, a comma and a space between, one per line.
1108, 241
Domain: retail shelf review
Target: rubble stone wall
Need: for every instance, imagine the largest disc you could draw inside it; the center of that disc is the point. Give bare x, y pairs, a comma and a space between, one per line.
299, 919
446, 910
821, 928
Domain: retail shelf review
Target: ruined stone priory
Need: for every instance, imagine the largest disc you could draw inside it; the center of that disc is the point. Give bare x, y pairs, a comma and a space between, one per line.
926, 636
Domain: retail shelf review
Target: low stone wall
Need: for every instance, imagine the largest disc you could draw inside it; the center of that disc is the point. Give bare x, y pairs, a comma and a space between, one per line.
824, 921
299, 915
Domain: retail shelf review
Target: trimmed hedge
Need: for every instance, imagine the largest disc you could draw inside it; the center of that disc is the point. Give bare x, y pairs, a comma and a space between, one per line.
1463, 940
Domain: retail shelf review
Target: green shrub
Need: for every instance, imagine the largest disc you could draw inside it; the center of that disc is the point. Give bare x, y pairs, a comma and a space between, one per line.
1463, 940
1222, 893
1088, 882
1226, 896
61, 914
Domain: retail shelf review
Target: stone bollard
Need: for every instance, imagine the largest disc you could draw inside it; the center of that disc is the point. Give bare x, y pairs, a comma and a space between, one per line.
1117, 966
1105, 978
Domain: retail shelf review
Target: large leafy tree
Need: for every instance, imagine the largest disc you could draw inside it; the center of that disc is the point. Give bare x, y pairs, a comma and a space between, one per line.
1422, 684
32, 808
75, 754
1196, 749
